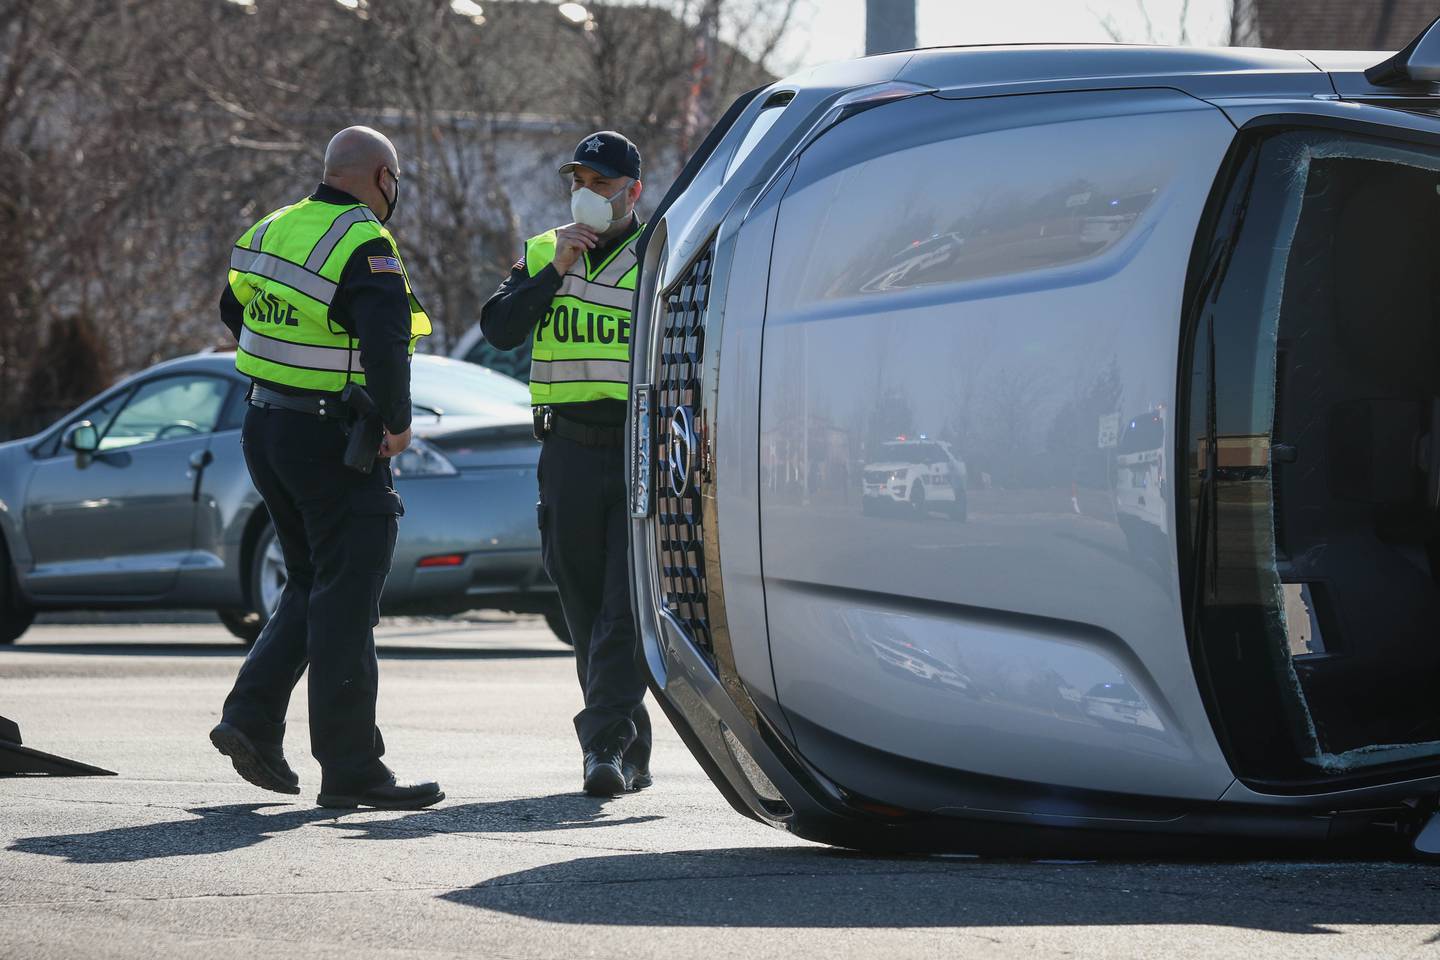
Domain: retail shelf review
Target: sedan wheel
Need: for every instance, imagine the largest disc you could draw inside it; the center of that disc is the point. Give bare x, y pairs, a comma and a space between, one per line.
270, 575
555, 620
15, 618
267, 583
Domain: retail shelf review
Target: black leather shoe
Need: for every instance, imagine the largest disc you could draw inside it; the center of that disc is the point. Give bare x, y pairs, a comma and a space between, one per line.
260, 763
603, 774
391, 795
637, 776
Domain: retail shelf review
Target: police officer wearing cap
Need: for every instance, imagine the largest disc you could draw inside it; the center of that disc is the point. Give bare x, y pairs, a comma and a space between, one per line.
570, 297
319, 301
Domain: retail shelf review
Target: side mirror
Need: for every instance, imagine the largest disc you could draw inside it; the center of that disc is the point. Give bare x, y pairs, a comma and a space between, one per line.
84, 439
1418, 62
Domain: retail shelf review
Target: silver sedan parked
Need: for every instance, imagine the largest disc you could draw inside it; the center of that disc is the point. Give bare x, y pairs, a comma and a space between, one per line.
140, 498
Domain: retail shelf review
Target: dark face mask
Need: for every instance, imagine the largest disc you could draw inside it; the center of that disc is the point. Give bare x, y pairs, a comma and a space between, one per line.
390, 201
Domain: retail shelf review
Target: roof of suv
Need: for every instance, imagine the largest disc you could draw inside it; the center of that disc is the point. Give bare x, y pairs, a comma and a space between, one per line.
1202, 71
742, 156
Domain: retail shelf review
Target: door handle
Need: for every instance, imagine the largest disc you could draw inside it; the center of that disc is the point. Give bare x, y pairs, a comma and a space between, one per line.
199, 460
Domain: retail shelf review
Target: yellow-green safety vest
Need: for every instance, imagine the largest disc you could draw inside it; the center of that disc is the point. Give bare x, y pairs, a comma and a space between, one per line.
285, 271
581, 348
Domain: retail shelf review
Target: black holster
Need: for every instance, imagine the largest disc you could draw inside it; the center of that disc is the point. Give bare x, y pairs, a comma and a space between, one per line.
366, 429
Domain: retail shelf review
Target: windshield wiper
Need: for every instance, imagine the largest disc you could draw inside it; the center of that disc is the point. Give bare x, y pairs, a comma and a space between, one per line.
435, 412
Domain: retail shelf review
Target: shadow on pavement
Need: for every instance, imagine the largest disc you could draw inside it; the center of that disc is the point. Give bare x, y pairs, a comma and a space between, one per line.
560, 811
818, 888
238, 651
221, 829
218, 830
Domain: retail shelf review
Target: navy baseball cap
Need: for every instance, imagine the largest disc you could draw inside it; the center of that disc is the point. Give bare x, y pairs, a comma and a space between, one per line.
608, 153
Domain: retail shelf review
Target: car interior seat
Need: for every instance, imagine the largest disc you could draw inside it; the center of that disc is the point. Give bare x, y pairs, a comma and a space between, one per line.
1357, 391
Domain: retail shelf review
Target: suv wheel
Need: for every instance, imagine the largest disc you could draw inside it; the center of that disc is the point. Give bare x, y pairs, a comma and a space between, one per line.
917, 500
960, 509
265, 584
15, 617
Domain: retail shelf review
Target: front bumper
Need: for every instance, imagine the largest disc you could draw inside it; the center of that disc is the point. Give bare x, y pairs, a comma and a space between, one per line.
883, 493
764, 777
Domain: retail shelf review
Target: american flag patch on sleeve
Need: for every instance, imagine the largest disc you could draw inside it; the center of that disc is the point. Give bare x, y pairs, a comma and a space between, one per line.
385, 265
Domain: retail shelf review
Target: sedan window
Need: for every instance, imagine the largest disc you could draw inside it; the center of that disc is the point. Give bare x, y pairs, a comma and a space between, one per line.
167, 409
459, 389
99, 414
232, 414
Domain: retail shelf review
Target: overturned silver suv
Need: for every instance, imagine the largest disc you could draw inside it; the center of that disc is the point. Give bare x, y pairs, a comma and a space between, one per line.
1219, 617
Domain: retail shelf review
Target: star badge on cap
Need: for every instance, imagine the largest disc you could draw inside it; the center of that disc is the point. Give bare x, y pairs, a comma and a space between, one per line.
593, 145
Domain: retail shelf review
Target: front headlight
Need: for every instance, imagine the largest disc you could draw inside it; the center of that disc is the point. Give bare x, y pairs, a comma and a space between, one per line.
421, 459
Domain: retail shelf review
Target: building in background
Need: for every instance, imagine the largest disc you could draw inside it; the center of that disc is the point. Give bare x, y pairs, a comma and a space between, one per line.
889, 25
1330, 24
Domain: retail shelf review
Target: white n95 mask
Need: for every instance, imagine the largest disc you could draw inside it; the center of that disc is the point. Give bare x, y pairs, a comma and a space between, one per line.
595, 211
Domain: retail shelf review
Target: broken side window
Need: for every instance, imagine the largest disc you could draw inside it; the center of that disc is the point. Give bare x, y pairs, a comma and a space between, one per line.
1313, 383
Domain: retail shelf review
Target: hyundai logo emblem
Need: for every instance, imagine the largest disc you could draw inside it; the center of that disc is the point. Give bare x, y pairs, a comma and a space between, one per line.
682, 450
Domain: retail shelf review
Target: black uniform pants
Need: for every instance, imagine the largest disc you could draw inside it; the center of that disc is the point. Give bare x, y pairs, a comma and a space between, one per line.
337, 529
583, 515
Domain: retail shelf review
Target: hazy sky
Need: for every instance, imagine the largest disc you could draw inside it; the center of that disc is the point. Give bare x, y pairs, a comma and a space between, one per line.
835, 29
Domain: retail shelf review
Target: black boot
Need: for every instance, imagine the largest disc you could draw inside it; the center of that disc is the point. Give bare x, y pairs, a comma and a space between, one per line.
262, 764
604, 773
387, 795
636, 765
637, 775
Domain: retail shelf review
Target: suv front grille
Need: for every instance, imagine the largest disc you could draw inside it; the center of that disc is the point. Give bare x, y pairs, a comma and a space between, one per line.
681, 439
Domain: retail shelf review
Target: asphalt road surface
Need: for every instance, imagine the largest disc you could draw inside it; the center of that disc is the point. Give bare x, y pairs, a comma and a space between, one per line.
178, 857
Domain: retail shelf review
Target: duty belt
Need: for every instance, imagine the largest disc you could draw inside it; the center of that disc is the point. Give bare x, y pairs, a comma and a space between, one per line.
315, 404
548, 423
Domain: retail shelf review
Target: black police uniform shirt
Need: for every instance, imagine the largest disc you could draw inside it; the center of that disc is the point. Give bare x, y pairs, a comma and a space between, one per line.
508, 319
372, 307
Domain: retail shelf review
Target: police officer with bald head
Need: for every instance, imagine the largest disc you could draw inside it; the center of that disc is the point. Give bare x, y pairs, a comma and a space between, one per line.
570, 298
320, 303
